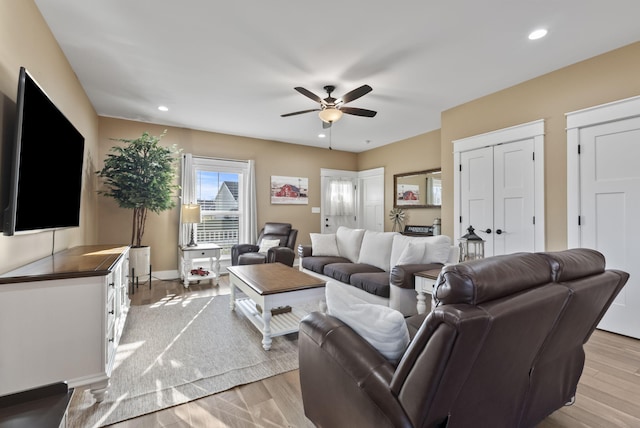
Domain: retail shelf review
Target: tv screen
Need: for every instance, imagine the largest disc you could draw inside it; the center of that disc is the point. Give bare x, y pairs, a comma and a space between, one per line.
46, 177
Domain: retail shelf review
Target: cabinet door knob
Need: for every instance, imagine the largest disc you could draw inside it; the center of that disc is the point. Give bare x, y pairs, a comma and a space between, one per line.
499, 231
488, 231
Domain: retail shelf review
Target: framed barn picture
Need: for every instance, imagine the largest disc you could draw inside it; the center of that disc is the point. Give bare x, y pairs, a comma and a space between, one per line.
289, 190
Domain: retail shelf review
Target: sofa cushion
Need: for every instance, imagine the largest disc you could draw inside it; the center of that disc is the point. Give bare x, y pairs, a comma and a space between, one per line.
382, 327
349, 242
376, 283
343, 271
317, 263
436, 248
324, 244
376, 249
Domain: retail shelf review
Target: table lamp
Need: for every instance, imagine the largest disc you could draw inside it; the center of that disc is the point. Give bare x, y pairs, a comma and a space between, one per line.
191, 214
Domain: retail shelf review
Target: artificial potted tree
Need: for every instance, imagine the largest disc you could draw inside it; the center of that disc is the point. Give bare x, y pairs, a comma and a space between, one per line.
140, 175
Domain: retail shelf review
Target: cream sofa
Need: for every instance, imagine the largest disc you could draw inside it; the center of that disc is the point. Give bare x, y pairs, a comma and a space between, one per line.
378, 267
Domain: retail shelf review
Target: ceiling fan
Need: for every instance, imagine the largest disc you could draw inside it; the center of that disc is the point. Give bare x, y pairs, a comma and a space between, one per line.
331, 109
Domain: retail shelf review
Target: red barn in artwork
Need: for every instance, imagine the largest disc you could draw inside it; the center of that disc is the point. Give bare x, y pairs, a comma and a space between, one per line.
409, 196
288, 191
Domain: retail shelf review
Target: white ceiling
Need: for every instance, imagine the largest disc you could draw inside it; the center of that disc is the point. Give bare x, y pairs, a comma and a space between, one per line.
231, 66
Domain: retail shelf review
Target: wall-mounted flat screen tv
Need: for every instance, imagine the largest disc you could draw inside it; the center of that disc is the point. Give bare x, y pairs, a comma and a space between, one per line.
46, 178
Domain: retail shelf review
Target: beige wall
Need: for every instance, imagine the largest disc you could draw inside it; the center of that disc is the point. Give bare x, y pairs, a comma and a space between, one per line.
413, 154
25, 40
272, 158
605, 78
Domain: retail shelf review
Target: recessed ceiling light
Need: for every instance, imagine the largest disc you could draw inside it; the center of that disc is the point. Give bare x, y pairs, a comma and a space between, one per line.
537, 34
163, 108
321, 135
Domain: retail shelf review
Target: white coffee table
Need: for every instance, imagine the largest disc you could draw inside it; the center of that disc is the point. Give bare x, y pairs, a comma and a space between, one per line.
273, 285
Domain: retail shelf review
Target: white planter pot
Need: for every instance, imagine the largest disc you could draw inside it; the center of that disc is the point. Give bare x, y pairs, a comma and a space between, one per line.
140, 261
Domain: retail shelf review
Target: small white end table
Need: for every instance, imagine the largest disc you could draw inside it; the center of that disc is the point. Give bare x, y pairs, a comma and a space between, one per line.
200, 251
424, 282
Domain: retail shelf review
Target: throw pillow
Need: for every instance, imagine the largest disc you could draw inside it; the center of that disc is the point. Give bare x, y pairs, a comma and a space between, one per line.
265, 244
324, 244
412, 254
384, 328
349, 241
436, 248
376, 249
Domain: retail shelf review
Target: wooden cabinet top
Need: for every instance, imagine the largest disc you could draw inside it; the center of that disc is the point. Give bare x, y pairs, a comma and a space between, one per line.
76, 262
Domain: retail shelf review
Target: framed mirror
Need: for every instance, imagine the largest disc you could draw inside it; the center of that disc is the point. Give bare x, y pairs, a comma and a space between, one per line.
421, 189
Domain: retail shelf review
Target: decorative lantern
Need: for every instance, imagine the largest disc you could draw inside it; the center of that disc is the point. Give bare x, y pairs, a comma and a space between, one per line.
471, 246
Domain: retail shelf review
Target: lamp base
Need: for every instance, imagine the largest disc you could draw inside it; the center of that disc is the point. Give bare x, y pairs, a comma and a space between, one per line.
192, 242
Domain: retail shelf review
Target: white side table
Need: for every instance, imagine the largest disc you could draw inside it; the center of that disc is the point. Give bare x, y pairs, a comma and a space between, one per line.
425, 281
200, 251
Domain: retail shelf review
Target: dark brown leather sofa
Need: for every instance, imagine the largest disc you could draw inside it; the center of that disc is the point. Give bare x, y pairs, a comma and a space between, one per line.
503, 348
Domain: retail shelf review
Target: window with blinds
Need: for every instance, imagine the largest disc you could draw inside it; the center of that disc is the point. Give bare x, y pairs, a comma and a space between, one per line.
217, 194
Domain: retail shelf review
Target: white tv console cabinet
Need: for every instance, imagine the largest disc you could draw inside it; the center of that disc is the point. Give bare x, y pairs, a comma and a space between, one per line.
61, 318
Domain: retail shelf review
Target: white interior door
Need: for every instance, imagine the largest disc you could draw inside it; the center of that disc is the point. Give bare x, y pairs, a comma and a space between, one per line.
476, 193
371, 200
610, 209
513, 193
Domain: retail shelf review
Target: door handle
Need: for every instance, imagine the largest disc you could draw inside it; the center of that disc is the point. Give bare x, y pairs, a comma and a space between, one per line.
499, 231
487, 231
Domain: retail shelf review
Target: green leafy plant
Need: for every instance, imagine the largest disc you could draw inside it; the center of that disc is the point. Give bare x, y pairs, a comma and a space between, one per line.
140, 175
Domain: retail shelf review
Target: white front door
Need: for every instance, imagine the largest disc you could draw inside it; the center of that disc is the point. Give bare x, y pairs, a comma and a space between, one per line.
610, 209
338, 207
352, 199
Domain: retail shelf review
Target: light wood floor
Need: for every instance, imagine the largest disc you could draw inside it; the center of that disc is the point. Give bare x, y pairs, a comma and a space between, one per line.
608, 392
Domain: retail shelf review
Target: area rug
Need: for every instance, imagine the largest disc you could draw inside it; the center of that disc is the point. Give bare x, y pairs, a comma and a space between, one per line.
179, 350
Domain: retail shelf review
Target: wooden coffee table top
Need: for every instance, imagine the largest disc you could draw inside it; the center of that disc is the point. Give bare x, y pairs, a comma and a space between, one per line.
272, 278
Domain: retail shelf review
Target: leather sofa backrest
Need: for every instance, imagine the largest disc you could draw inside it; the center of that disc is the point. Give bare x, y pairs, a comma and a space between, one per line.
478, 281
558, 367
502, 330
281, 231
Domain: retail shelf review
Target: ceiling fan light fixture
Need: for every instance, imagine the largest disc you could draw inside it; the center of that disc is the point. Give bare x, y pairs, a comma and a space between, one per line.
330, 114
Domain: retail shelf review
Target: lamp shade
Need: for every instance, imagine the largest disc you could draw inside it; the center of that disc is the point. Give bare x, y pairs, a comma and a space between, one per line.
330, 114
191, 213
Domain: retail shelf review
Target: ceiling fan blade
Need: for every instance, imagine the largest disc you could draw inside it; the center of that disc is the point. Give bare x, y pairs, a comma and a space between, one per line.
299, 112
356, 93
308, 94
358, 111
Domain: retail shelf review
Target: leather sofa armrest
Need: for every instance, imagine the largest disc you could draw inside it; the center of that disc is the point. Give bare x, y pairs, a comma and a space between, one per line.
239, 249
284, 255
402, 275
331, 354
304, 250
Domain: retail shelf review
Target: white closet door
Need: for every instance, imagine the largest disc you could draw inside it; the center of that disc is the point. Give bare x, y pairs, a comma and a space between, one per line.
513, 187
476, 194
610, 209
